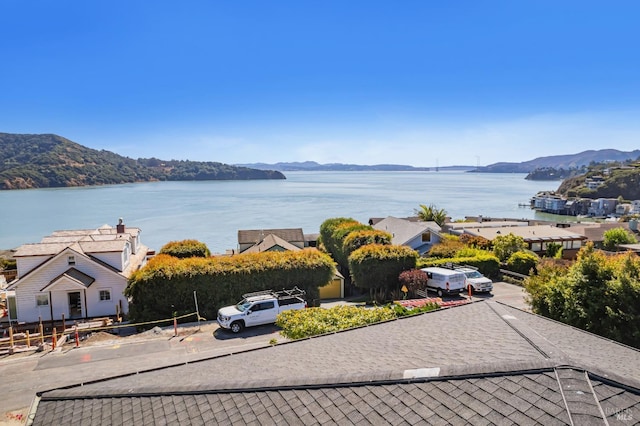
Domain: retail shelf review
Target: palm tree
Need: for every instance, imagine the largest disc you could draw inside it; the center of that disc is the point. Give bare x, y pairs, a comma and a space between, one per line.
431, 213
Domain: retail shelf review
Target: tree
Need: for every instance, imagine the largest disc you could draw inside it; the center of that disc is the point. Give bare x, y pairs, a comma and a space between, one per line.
616, 236
377, 267
413, 279
522, 262
505, 245
356, 239
327, 240
553, 250
186, 248
431, 213
597, 293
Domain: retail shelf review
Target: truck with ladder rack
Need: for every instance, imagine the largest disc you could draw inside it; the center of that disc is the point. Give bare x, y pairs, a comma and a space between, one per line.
258, 308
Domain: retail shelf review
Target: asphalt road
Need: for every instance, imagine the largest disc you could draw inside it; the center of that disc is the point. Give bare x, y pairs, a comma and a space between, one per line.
23, 376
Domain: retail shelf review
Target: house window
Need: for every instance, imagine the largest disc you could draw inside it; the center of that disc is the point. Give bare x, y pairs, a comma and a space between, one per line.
426, 237
71, 260
105, 295
42, 300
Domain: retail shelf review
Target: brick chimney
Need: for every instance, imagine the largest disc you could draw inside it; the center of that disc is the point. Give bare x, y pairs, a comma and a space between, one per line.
120, 226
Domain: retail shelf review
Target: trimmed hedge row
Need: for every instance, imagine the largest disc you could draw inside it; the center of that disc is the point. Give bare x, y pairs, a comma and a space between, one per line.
488, 264
165, 285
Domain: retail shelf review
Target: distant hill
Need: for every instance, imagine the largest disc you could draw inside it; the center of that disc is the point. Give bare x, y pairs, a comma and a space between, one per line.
339, 167
616, 182
44, 161
571, 161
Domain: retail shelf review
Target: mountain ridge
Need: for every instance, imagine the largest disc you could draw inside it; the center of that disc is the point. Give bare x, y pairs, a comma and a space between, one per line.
49, 161
566, 161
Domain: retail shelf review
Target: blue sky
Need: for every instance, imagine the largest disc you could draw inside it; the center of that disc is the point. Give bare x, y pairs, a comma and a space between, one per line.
366, 82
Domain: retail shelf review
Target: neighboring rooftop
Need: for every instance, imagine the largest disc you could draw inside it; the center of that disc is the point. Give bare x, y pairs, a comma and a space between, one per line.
101, 240
478, 363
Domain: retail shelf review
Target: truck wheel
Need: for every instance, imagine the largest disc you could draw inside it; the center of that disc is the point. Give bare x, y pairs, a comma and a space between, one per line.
439, 292
236, 327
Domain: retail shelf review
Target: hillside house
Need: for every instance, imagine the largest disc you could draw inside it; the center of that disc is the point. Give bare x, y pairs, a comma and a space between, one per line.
537, 237
418, 235
270, 240
77, 274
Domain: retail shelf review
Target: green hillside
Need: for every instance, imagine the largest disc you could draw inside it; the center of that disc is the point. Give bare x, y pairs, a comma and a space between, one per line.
45, 161
618, 182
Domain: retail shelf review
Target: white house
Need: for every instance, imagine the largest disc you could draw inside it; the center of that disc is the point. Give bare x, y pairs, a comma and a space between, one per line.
78, 274
418, 235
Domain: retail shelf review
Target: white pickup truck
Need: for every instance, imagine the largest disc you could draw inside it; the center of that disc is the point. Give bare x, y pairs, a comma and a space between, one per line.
260, 308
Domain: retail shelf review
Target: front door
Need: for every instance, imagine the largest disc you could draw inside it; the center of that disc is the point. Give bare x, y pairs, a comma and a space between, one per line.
75, 305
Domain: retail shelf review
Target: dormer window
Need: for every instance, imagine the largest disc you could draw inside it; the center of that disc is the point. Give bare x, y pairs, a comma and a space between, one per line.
71, 260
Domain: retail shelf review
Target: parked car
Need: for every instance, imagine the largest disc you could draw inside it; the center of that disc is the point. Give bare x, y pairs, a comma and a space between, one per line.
260, 308
445, 281
477, 281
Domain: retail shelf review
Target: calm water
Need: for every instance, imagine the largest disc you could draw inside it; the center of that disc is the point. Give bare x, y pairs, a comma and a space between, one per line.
214, 211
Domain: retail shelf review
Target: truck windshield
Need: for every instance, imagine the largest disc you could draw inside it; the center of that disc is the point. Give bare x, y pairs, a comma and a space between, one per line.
473, 274
243, 305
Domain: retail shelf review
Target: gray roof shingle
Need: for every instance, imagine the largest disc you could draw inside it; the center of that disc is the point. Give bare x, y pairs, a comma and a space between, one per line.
496, 365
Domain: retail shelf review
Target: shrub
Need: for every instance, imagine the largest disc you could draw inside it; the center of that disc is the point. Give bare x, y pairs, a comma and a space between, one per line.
522, 262
486, 262
448, 246
616, 236
185, 248
377, 267
356, 239
597, 293
298, 324
413, 279
505, 245
475, 241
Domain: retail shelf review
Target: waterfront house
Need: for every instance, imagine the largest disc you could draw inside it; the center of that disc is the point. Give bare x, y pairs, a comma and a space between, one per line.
418, 235
537, 237
77, 273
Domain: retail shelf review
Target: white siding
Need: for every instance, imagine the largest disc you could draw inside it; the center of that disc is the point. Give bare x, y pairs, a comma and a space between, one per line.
104, 278
27, 264
111, 258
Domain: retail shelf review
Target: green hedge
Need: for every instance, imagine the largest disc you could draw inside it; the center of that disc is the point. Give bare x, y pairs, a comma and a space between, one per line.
186, 248
166, 284
377, 267
488, 264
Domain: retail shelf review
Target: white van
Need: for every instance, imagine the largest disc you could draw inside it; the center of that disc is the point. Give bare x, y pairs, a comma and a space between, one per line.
445, 281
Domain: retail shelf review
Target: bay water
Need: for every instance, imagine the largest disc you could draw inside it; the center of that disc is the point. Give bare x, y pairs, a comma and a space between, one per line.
214, 211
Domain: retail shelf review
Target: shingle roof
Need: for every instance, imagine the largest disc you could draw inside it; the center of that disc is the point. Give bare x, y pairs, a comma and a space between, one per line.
253, 236
269, 242
403, 230
479, 363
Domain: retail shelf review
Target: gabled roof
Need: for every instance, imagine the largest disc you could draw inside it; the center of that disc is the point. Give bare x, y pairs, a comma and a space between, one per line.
403, 230
269, 242
101, 240
254, 236
478, 363
72, 274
